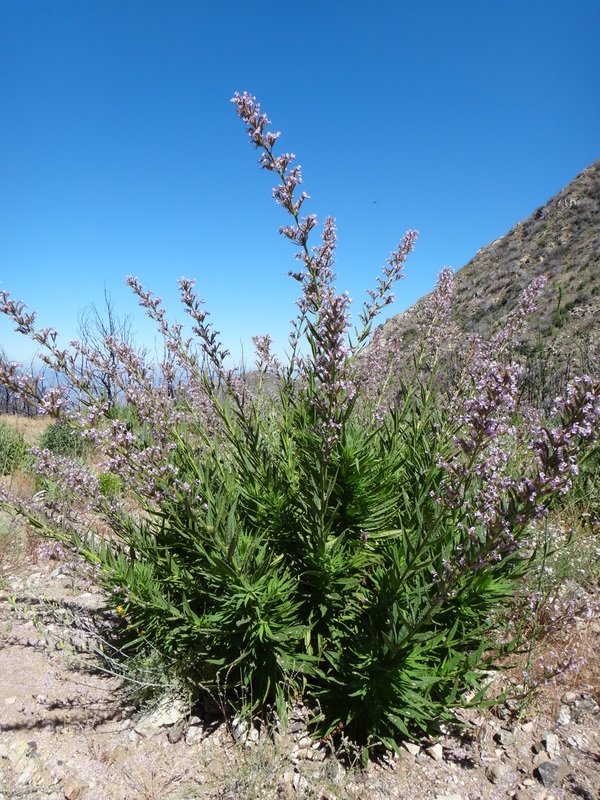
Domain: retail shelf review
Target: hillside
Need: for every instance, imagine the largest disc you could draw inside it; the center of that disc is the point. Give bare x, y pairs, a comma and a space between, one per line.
560, 240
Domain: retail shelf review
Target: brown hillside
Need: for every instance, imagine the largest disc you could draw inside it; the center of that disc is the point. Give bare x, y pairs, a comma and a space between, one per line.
560, 240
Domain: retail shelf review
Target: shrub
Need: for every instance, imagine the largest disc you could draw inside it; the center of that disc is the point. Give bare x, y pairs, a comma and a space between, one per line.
62, 440
110, 484
12, 448
325, 529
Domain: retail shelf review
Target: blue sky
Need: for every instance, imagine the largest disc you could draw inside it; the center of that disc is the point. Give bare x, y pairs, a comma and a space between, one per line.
121, 154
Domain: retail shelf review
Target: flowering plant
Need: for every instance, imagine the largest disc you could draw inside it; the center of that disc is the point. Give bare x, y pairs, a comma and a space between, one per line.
323, 528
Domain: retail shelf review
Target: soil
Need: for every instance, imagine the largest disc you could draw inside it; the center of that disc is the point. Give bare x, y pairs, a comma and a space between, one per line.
67, 734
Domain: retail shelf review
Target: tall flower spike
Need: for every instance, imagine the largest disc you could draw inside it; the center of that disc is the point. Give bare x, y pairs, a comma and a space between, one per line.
382, 295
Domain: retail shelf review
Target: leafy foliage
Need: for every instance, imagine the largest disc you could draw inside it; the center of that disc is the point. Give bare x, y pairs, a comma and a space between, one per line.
12, 448
62, 440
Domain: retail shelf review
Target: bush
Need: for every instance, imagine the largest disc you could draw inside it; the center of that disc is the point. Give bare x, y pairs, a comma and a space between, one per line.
62, 440
320, 529
110, 484
12, 448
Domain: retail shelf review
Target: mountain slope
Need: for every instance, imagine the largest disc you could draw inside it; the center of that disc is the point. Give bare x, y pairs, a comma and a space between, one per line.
560, 240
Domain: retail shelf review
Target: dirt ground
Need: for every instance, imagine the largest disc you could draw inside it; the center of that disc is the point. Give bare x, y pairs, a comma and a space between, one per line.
66, 734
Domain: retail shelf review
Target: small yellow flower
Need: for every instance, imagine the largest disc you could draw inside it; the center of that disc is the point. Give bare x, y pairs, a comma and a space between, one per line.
121, 611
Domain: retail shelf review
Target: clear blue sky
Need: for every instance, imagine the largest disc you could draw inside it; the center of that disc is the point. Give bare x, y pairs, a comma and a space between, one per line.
121, 154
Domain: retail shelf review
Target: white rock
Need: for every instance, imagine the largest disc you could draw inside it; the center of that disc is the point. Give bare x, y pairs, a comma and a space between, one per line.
305, 741
527, 727
252, 737
300, 783
436, 752
552, 743
27, 773
194, 734
412, 748
239, 728
170, 711
17, 753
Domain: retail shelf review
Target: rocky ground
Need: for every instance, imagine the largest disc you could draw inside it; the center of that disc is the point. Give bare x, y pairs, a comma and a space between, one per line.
66, 733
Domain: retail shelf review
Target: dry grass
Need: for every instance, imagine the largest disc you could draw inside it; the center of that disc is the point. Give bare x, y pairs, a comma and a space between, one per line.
15, 546
31, 428
19, 483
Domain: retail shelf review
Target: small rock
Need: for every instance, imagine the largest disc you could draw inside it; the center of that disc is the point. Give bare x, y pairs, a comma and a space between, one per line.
239, 728
505, 737
176, 732
575, 741
169, 712
300, 783
548, 773
27, 774
552, 743
436, 752
527, 727
449, 797
540, 758
494, 773
564, 715
17, 753
534, 792
570, 698
10, 701
524, 766
244, 732
252, 737
584, 707
194, 734
411, 748
74, 788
